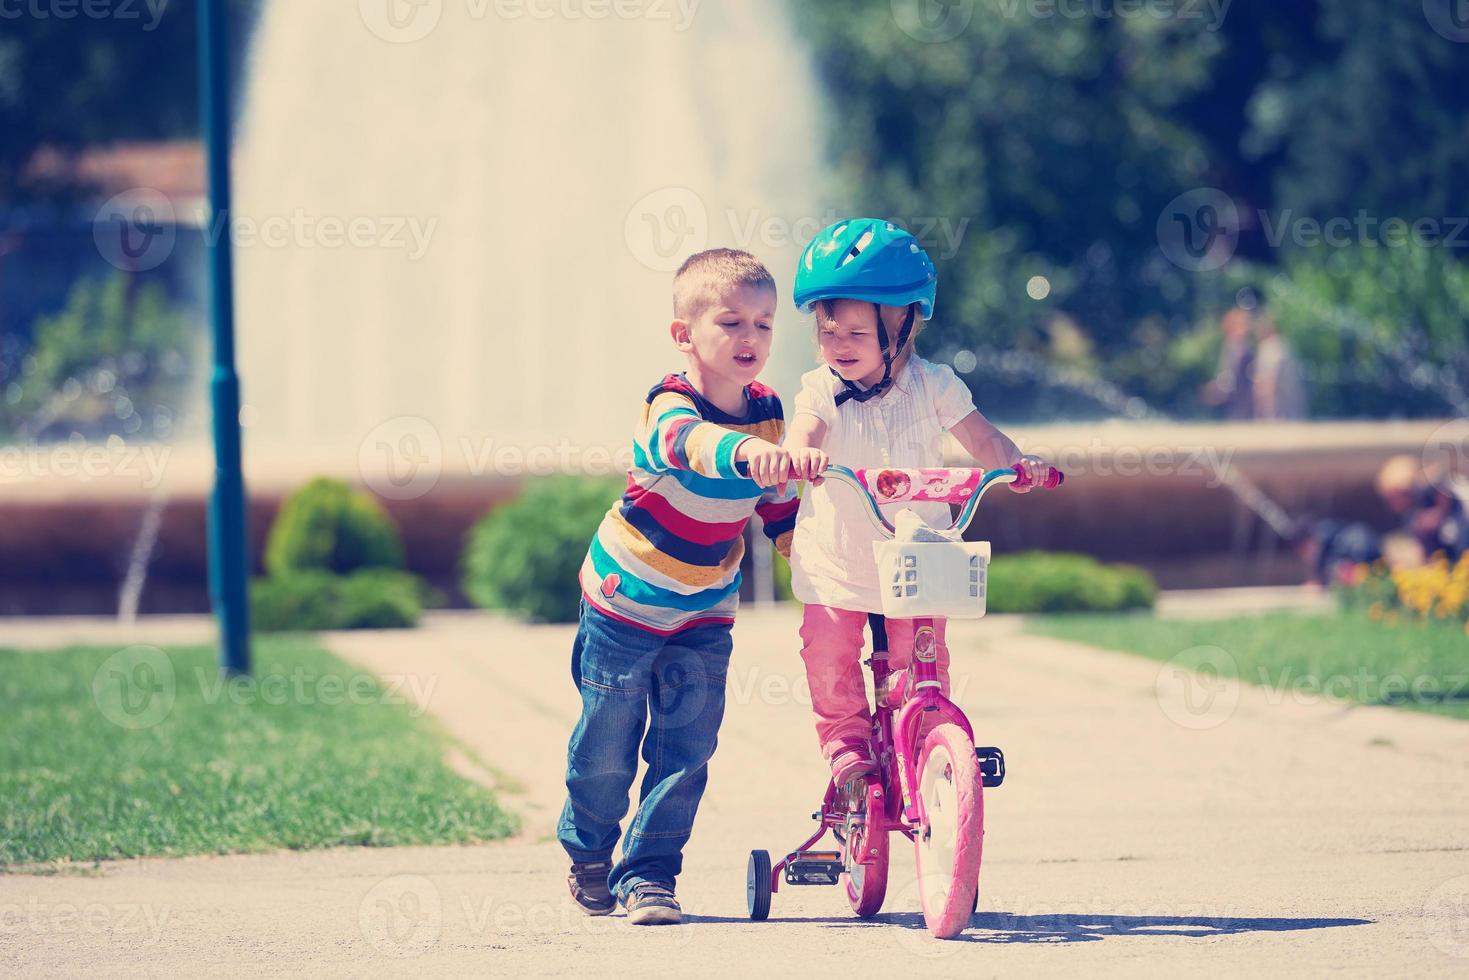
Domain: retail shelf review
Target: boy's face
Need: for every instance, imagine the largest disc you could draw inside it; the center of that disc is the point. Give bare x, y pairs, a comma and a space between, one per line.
849, 342
731, 338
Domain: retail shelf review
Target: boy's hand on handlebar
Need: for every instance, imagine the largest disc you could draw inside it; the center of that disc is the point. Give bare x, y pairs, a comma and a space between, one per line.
808, 464
1037, 472
769, 464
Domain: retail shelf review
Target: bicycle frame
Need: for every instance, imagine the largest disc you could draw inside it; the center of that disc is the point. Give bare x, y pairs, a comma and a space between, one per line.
895, 731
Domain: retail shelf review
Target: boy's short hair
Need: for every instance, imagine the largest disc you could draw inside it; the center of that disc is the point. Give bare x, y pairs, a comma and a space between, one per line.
707, 276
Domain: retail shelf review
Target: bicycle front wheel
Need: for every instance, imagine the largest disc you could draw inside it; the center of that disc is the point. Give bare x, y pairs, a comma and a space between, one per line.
950, 845
866, 878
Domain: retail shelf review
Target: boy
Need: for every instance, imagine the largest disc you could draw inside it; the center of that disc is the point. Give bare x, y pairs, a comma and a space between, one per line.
660, 585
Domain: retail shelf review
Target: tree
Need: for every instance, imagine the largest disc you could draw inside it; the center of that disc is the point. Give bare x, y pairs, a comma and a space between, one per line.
68, 79
1063, 138
115, 360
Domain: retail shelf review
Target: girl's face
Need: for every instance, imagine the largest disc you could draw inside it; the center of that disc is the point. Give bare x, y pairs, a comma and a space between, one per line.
849, 342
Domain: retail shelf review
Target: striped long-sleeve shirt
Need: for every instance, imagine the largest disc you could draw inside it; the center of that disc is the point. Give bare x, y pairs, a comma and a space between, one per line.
667, 555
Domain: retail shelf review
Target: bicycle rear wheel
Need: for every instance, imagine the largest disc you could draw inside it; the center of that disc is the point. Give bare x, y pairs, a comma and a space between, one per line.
949, 847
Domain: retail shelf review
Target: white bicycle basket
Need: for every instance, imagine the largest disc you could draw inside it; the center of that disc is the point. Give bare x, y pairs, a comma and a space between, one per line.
941, 576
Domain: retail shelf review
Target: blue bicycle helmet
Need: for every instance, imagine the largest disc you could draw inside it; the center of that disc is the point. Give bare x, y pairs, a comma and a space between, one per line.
868, 259
872, 260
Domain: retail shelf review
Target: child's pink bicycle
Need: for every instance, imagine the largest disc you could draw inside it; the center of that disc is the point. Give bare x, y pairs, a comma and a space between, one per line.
931, 793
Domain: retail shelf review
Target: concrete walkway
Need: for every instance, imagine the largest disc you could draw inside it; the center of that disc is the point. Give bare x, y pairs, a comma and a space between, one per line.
1152, 823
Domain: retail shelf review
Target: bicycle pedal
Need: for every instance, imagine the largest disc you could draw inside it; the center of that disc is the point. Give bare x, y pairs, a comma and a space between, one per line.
813, 868
991, 765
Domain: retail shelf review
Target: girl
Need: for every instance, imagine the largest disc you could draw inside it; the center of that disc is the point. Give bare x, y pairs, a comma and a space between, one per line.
875, 403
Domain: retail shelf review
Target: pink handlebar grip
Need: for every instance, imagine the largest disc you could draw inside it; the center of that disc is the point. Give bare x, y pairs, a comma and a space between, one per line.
1054, 478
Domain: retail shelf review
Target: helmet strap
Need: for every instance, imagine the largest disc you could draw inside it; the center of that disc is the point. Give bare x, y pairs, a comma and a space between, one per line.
851, 392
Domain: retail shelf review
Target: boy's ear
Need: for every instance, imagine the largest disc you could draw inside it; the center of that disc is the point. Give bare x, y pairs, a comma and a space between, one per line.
679, 331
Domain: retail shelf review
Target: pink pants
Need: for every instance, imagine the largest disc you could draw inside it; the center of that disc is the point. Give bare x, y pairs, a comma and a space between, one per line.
831, 645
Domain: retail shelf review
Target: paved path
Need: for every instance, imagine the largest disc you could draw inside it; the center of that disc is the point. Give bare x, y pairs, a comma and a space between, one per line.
1150, 825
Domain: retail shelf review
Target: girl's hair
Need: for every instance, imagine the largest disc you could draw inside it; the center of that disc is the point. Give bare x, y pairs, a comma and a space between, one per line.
823, 310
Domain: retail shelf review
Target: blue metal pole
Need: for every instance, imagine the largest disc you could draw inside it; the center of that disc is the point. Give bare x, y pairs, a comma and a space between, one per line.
229, 556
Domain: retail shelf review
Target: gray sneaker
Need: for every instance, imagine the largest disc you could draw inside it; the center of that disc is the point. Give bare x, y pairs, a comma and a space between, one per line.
588, 883
651, 903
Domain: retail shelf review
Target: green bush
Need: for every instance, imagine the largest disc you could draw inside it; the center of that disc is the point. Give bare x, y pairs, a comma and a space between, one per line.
524, 556
1037, 581
781, 572
375, 598
327, 526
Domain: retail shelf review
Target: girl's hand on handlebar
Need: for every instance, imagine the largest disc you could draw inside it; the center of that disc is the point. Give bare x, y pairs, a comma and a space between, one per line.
769, 464
1037, 471
808, 464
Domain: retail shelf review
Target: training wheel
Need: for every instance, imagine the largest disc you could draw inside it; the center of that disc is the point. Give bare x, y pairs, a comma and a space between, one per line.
757, 885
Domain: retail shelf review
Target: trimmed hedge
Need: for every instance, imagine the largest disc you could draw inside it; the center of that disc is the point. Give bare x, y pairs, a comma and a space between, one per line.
327, 526
524, 556
373, 598
1040, 581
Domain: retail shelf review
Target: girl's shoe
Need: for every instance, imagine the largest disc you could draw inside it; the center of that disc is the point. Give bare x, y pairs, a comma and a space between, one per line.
850, 760
588, 883
651, 903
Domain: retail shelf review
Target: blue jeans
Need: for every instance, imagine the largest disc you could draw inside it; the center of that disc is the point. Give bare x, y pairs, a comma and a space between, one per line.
626, 674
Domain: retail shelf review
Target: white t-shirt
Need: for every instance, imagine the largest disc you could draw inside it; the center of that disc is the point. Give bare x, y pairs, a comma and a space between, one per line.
831, 553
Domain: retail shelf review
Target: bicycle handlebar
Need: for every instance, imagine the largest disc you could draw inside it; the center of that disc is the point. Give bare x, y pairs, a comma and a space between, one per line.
931, 485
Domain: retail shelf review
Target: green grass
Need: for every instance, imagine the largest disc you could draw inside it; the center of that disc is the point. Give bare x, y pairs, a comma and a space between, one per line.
1424, 666
114, 754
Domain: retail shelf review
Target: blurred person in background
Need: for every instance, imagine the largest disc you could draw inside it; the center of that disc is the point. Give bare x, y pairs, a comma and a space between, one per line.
1434, 512
1277, 390
1232, 389
1333, 550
